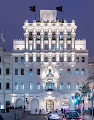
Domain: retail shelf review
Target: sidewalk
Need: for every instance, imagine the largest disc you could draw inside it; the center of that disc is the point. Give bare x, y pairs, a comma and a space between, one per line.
87, 117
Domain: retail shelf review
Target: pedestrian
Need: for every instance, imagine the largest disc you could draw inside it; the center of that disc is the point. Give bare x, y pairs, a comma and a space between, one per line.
64, 111
40, 111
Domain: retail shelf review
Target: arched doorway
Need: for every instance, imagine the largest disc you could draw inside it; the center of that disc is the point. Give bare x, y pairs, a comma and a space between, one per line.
34, 106
19, 103
65, 104
49, 105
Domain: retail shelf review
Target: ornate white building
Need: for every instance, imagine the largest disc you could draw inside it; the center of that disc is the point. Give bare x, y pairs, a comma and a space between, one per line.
47, 67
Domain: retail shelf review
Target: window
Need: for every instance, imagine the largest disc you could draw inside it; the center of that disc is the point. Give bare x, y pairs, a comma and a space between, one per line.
69, 59
7, 86
30, 36
46, 36
61, 36
38, 36
31, 86
68, 47
38, 46
22, 86
22, 71
7, 71
61, 46
77, 71
16, 59
61, 71
38, 86
83, 71
53, 59
77, 59
61, 85
0, 71
53, 36
38, 71
22, 59
83, 59
53, 46
16, 71
0, 58
30, 47
16, 86
68, 71
30, 72
61, 59
69, 86
46, 86
38, 59
83, 84
0, 86
46, 59
50, 72
30, 59
77, 86
46, 46
69, 36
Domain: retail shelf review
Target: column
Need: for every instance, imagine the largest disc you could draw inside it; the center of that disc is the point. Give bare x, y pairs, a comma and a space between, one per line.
26, 36
34, 39
73, 34
57, 40
34, 57
65, 57
26, 56
42, 57
42, 41
65, 39
50, 39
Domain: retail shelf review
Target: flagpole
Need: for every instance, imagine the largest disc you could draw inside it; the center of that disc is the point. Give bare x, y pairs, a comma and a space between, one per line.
35, 12
62, 13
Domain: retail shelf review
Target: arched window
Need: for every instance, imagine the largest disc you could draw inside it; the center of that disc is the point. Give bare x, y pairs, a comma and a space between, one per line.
69, 36
38, 35
53, 36
30, 36
61, 35
46, 36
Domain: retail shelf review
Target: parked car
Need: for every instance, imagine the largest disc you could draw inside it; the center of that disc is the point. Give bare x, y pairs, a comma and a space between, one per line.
1, 118
54, 116
72, 115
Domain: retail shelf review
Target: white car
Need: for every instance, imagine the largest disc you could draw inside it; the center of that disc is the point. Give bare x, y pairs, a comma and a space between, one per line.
54, 116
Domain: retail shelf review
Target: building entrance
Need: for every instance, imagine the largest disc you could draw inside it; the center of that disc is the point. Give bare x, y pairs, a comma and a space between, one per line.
65, 104
49, 105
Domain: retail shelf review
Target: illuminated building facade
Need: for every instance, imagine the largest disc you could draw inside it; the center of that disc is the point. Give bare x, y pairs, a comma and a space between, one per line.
49, 65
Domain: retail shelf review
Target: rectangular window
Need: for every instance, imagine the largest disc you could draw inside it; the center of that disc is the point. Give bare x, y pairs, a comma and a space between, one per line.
53, 46
30, 47
16, 59
16, 71
46, 59
0, 58
22, 71
22, 86
77, 71
22, 59
16, 86
0, 86
61, 71
30, 72
83, 59
69, 59
53, 59
30, 59
69, 86
46, 86
77, 86
38, 59
38, 86
46, 46
61, 86
69, 47
31, 86
50, 72
0, 71
83, 71
68, 71
38, 71
7, 86
77, 59
61, 46
50, 86
61, 59
61, 36
7, 71
38, 46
